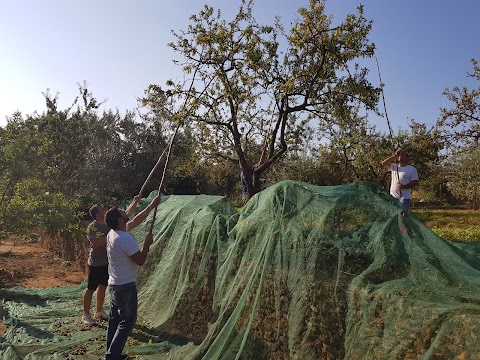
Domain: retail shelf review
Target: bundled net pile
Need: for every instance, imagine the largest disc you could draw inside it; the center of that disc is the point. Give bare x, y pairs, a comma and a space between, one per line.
302, 272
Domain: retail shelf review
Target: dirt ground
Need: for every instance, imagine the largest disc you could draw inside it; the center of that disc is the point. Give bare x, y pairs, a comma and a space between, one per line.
29, 265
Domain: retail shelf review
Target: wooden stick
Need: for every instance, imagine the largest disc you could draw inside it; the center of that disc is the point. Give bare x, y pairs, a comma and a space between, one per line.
151, 173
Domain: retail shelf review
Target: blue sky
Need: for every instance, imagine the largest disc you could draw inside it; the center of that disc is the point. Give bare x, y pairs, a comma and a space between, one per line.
119, 47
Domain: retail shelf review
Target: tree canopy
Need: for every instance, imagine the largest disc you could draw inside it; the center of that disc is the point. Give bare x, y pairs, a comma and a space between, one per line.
461, 124
254, 89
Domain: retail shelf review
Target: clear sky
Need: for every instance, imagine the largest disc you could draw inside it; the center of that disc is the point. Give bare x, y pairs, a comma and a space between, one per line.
119, 47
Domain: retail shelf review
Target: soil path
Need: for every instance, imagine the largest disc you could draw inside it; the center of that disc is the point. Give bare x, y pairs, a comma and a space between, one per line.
29, 265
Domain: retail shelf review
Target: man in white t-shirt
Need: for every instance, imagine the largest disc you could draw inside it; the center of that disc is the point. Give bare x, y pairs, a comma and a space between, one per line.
97, 261
404, 177
124, 257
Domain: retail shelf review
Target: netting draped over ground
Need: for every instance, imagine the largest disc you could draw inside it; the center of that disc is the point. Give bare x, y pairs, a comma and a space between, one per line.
301, 272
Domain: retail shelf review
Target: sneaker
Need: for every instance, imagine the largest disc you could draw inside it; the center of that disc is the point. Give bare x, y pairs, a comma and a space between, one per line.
101, 315
87, 319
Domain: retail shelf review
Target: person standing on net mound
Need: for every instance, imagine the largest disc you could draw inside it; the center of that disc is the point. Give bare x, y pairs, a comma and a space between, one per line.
97, 232
404, 177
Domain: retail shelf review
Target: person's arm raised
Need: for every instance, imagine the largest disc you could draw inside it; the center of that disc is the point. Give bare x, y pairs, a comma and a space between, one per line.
142, 215
386, 163
131, 208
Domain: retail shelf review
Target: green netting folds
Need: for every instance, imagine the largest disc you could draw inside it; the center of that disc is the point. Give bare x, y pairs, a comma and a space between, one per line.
301, 272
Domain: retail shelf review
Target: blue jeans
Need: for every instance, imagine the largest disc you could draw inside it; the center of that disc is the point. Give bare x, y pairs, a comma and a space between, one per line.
122, 318
404, 203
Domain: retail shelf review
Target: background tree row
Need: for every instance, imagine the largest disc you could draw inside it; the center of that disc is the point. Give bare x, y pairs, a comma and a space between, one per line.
294, 101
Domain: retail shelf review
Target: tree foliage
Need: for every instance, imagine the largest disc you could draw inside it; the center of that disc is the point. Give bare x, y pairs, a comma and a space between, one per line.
459, 128
352, 150
461, 124
250, 98
462, 170
33, 207
76, 155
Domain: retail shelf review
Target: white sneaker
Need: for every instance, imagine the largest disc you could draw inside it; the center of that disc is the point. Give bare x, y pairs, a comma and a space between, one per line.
101, 315
87, 319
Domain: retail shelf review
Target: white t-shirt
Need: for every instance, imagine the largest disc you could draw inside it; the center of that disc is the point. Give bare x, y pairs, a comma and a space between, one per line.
120, 246
406, 174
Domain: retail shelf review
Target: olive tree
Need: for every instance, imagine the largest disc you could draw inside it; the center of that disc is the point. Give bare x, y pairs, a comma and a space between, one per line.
462, 170
252, 92
461, 123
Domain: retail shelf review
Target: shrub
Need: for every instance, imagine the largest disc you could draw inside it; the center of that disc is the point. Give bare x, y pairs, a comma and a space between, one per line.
33, 206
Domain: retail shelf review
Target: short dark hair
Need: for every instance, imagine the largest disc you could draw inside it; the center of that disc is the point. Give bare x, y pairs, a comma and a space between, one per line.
112, 216
93, 211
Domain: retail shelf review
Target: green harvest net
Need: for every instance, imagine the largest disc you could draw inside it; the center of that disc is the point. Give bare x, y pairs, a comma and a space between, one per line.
301, 272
